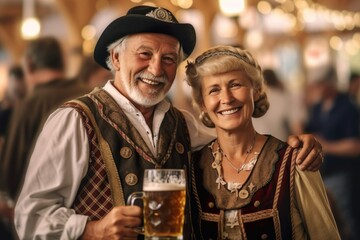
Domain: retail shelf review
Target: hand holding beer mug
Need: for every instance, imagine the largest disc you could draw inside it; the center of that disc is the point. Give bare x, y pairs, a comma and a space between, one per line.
164, 197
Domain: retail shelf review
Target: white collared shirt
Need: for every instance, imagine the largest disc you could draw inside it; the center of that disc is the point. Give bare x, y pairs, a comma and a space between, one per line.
60, 161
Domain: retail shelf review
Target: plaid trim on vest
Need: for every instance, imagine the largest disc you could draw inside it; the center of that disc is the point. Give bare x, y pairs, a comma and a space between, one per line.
94, 195
118, 154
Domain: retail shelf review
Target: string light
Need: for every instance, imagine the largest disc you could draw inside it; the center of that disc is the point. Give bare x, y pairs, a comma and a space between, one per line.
307, 12
232, 7
30, 27
264, 7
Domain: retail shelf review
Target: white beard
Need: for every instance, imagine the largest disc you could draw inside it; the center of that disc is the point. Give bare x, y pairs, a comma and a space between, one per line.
152, 98
136, 96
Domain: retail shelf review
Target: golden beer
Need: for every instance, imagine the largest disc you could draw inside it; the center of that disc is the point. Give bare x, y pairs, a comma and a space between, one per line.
164, 198
164, 206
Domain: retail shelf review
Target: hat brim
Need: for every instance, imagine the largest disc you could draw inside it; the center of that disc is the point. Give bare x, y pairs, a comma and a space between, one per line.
128, 25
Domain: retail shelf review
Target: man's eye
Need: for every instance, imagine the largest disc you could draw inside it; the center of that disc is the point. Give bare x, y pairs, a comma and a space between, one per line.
145, 54
169, 59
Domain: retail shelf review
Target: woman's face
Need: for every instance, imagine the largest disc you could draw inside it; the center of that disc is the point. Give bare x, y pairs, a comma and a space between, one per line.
228, 98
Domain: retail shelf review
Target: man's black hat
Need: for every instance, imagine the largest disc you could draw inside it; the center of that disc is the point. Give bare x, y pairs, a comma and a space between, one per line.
144, 19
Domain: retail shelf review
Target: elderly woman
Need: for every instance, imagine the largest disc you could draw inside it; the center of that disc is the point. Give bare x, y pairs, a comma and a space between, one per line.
246, 185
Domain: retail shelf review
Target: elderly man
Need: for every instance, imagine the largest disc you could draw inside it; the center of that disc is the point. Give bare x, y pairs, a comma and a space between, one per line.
92, 152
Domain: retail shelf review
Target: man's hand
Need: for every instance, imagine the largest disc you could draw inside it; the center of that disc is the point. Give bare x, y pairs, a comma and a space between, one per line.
119, 223
310, 156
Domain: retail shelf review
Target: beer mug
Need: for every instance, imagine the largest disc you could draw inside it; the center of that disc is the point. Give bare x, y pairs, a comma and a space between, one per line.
164, 197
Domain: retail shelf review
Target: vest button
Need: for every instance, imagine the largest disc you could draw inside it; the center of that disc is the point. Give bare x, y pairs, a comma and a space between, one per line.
256, 203
243, 194
211, 205
179, 148
125, 152
264, 236
131, 179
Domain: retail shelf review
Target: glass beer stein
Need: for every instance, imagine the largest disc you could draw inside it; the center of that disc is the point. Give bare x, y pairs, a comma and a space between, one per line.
164, 197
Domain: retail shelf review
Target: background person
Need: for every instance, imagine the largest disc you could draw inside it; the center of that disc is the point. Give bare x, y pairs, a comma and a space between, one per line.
245, 185
15, 91
92, 74
335, 119
44, 73
354, 87
284, 116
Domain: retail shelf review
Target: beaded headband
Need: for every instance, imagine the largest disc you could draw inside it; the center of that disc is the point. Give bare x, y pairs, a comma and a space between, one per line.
203, 57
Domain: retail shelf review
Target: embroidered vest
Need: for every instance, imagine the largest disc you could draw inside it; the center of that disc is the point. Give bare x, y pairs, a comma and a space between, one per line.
263, 207
118, 154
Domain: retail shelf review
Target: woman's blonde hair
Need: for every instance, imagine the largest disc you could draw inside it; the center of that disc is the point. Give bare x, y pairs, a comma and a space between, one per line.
222, 59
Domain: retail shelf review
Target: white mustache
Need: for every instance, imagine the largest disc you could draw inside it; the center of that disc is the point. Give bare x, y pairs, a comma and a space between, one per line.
151, 77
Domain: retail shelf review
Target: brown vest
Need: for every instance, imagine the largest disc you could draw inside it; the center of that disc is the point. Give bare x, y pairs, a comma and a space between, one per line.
263, 201
118, 154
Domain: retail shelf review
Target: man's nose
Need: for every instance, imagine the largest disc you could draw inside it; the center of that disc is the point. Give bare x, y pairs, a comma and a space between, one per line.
155, 67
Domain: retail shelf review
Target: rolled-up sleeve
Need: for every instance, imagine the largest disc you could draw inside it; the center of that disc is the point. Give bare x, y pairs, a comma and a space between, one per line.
56, 168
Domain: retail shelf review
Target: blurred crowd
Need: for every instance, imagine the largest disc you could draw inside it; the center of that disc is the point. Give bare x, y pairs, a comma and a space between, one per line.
39, 85
35, 88
333, 116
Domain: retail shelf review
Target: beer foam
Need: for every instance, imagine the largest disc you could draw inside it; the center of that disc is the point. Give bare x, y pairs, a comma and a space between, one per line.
163, 187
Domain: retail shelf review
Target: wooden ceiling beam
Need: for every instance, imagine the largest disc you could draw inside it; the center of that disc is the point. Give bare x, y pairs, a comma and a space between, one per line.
77, 15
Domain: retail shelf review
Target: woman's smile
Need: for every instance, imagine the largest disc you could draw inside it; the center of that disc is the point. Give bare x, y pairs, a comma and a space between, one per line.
229, 111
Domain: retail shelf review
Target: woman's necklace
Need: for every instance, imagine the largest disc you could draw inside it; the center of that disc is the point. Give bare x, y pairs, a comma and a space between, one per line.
245, 166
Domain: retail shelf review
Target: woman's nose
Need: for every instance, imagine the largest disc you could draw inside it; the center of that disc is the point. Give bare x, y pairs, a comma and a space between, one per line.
226, 97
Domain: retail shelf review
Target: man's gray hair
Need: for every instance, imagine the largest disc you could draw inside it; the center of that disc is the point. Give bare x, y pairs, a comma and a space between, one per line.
117, 47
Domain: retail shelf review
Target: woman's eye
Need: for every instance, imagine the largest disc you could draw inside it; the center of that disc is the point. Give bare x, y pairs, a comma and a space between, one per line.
235, 85
213, 91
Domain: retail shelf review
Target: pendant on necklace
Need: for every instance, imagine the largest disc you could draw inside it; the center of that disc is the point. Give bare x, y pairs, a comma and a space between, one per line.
246, 166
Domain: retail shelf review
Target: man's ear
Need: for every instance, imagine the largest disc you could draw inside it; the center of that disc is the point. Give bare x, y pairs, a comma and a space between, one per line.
115, 60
